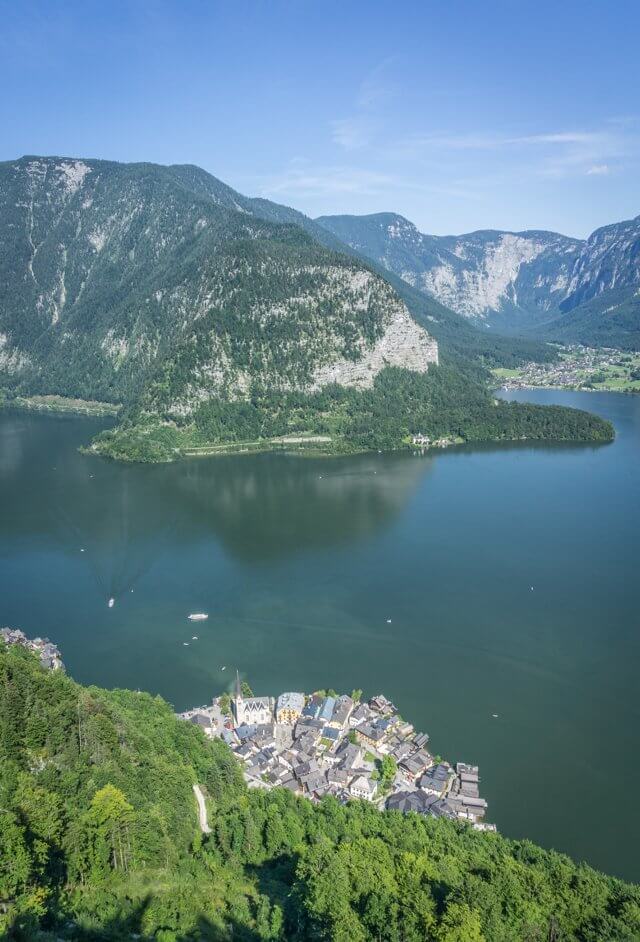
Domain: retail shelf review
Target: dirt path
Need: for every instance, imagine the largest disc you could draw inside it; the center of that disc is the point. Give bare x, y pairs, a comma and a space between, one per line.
202, 810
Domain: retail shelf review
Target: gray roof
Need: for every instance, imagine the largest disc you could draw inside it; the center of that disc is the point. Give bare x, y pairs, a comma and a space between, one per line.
317, 780
326, 711
291, 701
407, 801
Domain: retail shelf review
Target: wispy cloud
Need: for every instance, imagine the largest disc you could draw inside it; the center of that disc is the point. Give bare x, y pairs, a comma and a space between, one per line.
359, 129
301, 179
554, 153
377, 87
352, 133
308, 181
560, 137
599, 170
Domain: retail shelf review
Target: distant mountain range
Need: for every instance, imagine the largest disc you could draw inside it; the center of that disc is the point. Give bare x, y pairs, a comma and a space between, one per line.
532, 281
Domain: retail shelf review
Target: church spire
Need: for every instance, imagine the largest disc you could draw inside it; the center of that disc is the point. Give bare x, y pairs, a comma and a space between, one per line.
238, 686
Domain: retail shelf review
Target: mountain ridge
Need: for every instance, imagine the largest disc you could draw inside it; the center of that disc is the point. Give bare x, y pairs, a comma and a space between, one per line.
513, 281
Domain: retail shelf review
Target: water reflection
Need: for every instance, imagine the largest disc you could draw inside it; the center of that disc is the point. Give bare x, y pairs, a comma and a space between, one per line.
268, 506
122, 518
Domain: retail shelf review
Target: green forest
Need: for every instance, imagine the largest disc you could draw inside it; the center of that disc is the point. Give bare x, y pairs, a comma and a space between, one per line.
445, 402
99, 840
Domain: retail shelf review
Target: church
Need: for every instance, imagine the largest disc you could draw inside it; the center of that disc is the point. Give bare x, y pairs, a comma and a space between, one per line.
251, 711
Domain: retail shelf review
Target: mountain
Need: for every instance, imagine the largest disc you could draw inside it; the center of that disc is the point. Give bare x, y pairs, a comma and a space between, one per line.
512, 281
100, 840
109, 270
218, 319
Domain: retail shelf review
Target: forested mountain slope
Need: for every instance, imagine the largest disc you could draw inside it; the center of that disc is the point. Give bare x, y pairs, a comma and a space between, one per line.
99, 839
109, 271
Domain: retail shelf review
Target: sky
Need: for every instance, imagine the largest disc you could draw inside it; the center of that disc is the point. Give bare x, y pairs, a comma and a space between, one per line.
504, 114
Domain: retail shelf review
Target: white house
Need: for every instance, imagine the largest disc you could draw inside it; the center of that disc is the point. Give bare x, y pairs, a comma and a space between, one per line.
363, 787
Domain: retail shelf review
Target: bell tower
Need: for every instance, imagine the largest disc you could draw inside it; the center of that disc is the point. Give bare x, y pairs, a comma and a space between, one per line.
237, 700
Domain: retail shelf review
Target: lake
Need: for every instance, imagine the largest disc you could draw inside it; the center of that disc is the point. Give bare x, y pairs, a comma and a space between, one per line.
509, 576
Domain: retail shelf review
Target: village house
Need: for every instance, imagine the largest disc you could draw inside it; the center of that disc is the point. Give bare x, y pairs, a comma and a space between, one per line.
326, 709
360, 714
371, 734
436, 780
313, 707
413, 766
342, 712
363, 787
381, 705
289, 707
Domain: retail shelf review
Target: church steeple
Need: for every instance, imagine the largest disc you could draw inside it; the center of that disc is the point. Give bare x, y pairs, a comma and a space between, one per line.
238, 686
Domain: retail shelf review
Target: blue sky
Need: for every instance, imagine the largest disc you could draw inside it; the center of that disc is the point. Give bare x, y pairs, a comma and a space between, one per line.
459, 115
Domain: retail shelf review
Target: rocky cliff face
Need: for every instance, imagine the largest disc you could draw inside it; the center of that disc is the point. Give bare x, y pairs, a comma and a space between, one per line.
504, 279
608, 260
126, 282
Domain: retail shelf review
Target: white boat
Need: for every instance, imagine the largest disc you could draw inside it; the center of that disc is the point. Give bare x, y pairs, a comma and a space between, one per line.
111, 603
198, 616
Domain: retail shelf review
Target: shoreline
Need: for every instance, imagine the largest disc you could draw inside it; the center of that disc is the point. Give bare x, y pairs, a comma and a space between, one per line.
585, 389
61, 405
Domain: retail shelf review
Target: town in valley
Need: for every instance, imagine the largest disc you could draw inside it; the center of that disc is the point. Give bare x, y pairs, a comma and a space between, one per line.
578, 367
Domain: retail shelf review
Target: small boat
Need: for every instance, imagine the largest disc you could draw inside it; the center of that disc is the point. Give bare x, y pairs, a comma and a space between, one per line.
111, 602
198, 616
194, 638
223, 668
388, 621
495, 716
186, 644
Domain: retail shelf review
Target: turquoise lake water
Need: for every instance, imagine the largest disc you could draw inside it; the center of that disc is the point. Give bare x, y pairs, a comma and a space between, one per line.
510, 575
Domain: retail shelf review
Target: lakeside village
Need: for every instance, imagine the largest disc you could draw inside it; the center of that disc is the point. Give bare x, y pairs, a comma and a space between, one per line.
580, 368
324, 744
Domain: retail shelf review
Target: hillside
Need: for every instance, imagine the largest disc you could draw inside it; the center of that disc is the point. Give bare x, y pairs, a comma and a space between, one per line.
99, 839
108, 270
512, 281
216, 320
610, 319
